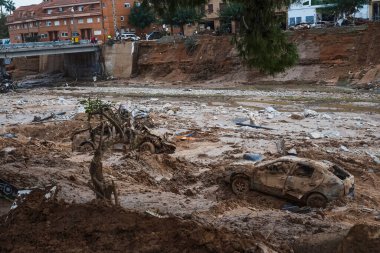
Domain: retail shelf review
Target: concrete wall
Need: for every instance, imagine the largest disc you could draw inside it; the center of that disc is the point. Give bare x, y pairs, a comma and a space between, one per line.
83, 65
118, 59
51, 64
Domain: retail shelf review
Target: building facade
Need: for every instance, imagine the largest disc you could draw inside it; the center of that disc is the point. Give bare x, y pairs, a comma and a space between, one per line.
53, 20
374, 10
311, 11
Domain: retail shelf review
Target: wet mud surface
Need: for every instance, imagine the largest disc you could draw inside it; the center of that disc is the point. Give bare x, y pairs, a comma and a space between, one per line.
188, 185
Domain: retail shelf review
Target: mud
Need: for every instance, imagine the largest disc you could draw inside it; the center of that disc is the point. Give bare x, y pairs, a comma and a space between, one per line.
95, 227
186, 186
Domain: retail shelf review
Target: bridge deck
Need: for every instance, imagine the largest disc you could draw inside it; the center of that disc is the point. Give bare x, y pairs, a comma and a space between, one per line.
45, 48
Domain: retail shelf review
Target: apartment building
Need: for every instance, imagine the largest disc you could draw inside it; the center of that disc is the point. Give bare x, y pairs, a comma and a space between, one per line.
53, 20
311, 11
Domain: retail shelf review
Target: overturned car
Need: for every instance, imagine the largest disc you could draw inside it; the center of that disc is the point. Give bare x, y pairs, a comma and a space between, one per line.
310, 182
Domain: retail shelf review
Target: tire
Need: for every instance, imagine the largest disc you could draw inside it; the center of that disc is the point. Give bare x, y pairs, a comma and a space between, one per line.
240, 185
316, 200
147, 146
87, 146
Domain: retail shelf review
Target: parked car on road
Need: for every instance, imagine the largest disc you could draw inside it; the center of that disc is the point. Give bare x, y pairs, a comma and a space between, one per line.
310, 182
322, 24
154, 35
129, 36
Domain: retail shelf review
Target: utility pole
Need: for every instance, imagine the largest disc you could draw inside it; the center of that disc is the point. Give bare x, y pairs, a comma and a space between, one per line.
114, 16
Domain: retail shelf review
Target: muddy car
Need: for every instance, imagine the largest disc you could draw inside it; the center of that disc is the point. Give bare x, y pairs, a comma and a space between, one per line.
310, 182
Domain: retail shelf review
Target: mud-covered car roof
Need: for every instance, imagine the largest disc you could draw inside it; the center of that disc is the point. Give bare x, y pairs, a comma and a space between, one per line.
308, 161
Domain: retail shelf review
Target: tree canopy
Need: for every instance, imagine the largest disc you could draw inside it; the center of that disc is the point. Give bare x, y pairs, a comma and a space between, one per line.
141, 16
349, 7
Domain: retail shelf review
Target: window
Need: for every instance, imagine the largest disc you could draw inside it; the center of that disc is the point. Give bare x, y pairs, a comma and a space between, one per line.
310, 19
56, 23
122, 18
98, 19
64, 22
303, 171
292, 21
80, 8
277, 168
60, 9
127, 5
48, 23
43, 36
72, 21
49, 11
80, 21
90, 20
64, 34
298, 20
210, 8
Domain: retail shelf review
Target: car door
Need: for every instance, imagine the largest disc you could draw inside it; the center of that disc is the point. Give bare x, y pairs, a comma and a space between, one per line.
302, 179
271, 178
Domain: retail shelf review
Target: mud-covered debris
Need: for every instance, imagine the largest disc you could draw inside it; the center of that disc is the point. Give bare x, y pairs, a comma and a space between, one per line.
361, 238
310, 113
292, 151
316, 135
8, 135
253, 157
297, 116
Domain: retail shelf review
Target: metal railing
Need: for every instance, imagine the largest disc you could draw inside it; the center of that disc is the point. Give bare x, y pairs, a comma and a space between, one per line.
42, 44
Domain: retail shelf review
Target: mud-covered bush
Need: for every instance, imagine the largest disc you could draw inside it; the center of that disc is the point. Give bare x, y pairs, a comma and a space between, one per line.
191, 44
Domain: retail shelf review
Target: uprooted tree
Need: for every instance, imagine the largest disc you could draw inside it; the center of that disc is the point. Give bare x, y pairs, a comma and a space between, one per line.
107, 126
103, 189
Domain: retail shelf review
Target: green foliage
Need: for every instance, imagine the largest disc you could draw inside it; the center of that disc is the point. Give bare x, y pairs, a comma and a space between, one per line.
349, 7
7, 5
187, 14
95, 106
141, 16
191, 44
261, 42
231, 11
4, 32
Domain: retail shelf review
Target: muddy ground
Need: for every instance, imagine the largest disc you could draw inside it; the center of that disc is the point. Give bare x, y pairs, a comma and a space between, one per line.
188, 184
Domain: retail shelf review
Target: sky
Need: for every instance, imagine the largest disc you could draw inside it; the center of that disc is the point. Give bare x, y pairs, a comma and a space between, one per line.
26, 2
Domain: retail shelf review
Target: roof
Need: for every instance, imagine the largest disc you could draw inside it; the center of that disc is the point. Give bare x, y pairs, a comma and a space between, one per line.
58, 3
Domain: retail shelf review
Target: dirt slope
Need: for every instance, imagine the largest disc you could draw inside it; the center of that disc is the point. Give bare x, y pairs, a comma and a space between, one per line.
95, 227
335, 55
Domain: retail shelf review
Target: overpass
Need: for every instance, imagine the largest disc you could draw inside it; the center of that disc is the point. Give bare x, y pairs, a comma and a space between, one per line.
46, 48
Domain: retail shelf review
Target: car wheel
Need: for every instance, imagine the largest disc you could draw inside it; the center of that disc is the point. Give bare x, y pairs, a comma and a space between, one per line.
148, 147
86, 146
240, 185
316, 200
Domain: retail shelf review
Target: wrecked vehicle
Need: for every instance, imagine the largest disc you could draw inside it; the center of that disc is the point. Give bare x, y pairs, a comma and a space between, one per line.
310, 182
124, 128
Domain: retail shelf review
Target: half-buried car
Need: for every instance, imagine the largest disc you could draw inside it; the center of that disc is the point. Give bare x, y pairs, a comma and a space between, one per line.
310, 182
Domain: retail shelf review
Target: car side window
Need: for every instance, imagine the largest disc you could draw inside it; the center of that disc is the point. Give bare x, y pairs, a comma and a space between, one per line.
276, 168
303, 170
